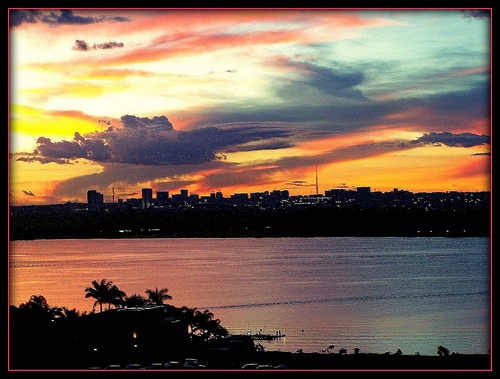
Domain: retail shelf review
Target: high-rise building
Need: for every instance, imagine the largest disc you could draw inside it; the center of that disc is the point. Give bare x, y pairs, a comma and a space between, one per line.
363, 195
147, 197
363, 190
162, 197
94, 199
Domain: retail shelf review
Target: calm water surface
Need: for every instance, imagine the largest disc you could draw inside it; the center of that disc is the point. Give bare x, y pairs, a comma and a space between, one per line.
378, 294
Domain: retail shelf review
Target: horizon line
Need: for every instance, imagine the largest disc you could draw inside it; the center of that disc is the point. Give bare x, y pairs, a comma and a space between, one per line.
347, 188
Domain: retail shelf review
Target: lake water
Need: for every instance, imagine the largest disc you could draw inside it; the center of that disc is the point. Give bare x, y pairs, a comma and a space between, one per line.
377, 294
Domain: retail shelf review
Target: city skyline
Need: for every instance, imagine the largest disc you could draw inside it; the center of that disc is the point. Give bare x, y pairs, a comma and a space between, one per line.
339, 212
338, 197
247, 101
149, 192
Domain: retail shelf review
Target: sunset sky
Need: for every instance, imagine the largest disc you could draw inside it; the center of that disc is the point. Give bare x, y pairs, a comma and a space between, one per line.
246, 101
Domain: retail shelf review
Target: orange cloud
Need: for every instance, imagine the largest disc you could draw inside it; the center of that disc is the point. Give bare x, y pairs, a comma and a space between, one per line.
352, 19
478, 165
425, 118
186, 43
468, 71
194, 32
177, 19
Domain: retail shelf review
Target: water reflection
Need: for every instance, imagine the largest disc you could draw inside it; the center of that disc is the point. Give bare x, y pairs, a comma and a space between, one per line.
378, 294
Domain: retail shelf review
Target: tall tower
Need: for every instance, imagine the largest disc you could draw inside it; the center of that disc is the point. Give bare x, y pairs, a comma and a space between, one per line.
316, 180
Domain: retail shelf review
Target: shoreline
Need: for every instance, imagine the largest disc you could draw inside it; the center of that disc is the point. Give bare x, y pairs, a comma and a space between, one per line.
140, 337
143, 236
376, 361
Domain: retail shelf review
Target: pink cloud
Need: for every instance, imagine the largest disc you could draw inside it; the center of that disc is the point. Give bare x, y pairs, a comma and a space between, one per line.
477, 166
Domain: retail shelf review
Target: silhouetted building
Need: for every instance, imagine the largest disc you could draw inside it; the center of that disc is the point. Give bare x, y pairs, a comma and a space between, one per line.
162, 197
363, 195
178, 199
240, 199
147, 197
95, 200
258, 198
337, 194
215, 198
134, 202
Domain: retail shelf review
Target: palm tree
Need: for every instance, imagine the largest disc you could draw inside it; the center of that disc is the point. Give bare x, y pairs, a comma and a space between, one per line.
105, 292
36, 308
98, 291
36, 302
116, 297
71, 314
135, 301
204, 325
157, 296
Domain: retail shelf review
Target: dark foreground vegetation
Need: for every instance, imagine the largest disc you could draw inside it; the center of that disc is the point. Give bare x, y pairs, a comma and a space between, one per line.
52, 222
143, 333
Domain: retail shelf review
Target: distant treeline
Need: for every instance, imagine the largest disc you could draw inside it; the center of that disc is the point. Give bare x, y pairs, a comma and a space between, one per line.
310, 221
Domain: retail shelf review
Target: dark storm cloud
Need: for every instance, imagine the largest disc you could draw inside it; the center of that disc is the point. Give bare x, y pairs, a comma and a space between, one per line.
58, 150
331, 98
453, 140
81, 45
66, 16
444, 111
482, 154
338, 81
30, 158
476, 13
109, 45
79, 147
157, 122
272, 144
222, 173
20, 16
154, 141
299, 183
474, 102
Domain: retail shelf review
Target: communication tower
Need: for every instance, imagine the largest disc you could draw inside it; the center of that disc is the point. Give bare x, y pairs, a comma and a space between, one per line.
316, 180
